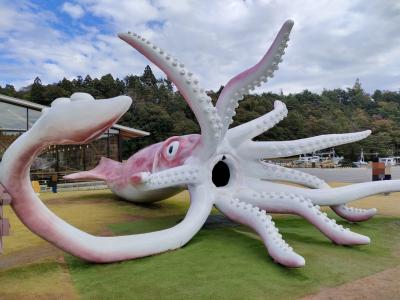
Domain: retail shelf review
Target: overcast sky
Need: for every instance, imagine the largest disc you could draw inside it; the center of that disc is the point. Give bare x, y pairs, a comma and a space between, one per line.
332, 43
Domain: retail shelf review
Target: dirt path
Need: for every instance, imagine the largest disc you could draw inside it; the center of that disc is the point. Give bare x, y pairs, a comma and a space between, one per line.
29, 255
382, 285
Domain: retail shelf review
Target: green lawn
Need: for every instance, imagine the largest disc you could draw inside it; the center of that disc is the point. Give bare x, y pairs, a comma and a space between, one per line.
220, 262
231, 263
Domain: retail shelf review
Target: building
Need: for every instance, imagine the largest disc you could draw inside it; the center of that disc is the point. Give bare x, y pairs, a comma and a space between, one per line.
17, 116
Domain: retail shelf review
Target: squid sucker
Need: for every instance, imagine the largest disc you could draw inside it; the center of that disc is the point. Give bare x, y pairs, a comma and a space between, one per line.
221, 167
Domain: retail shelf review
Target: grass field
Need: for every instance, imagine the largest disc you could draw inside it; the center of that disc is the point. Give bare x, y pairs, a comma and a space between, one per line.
221, 262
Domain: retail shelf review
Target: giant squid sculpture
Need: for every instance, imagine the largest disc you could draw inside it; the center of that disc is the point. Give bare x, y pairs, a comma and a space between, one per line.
220, 167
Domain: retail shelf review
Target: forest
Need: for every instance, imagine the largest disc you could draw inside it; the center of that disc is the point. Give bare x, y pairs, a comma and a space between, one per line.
160, 109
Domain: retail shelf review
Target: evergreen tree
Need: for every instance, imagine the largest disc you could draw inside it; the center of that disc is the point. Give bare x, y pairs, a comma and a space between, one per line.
88, 81
357, 86
67, 85
148, 77
37, 92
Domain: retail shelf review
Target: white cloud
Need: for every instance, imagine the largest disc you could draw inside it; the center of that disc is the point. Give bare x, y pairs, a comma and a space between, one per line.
332, 43
123, 13
75, 11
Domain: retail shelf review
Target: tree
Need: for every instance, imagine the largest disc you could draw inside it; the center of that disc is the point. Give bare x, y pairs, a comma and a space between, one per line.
163, 112
37, 92
108, 87
78, 82
357, 86
87, 82
52, 92
148, 77
8, 90
67, 85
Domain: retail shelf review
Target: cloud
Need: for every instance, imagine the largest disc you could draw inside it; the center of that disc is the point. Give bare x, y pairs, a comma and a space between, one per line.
332, 42
75, 11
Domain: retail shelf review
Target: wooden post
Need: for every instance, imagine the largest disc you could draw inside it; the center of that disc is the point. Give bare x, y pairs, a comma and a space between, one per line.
4, 224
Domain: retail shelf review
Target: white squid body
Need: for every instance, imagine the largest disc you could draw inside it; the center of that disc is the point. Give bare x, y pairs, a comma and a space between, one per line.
224, 168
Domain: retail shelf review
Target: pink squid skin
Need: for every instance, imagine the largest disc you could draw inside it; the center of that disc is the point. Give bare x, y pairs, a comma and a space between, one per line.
160, 159
125, 179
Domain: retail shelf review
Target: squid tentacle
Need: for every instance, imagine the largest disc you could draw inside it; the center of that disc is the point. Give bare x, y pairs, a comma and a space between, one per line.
332, 196
39, 219
181, 175
188, 86
274, 172
239, 86
297, 204
354, 214
260, 150
262, 223
251, 129
267, 171
15, 177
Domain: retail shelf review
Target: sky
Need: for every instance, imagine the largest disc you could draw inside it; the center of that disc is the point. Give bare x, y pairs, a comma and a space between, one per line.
333, 42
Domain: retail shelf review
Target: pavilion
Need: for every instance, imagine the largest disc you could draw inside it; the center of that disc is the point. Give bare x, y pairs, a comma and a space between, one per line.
17, 116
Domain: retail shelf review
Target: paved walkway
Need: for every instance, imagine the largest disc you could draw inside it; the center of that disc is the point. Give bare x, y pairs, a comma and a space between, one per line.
353, 175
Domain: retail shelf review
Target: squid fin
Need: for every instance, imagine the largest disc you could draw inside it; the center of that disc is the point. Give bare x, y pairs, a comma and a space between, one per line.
103, 170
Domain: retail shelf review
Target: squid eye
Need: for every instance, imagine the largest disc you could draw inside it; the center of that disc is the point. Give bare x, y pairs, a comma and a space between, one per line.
172, 149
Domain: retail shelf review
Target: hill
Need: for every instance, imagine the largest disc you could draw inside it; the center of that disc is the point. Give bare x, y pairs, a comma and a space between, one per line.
160, 109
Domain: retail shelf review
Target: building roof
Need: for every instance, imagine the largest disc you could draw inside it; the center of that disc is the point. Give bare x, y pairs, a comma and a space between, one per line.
125, 131
21, 102
128, 132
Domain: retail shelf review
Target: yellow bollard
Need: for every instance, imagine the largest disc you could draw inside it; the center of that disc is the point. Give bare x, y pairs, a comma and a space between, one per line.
36, 186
